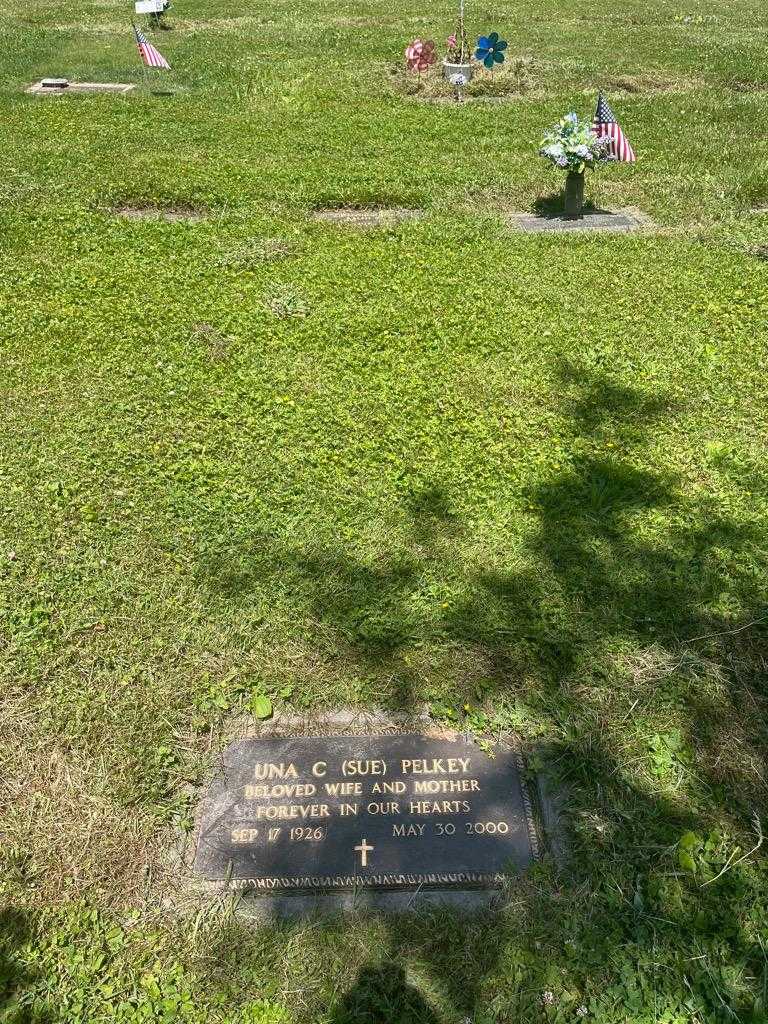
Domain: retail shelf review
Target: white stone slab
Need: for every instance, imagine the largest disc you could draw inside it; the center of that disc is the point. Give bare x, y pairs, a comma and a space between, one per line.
59, 86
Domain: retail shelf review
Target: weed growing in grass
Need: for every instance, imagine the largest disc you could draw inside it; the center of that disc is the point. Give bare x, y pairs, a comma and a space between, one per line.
217, 344
287, 303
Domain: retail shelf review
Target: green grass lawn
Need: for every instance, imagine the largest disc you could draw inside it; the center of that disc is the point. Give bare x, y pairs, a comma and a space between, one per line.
441, 463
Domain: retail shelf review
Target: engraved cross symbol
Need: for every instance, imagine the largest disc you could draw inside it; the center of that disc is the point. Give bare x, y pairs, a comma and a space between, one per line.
364, 849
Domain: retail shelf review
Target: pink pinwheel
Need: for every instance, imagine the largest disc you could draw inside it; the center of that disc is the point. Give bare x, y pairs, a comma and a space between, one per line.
420, 55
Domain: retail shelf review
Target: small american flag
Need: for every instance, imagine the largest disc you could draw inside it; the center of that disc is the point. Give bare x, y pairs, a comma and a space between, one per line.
604, 126
151, 56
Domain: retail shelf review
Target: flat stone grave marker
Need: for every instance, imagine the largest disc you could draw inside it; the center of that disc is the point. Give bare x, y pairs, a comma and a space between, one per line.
593, 220
60, 86
170, 212
366, 217
398, 812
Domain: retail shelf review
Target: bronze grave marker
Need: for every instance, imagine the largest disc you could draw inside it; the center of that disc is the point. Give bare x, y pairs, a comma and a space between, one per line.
323, 814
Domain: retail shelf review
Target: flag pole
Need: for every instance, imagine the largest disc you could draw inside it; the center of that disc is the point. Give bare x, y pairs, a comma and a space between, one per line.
143, 64
153, 61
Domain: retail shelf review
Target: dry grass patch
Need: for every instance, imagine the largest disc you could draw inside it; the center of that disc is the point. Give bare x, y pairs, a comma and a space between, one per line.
744, 85
519, 76
220, 26
93, 28
64, 837
170, 212
648, 83
256, 251
363, 217
217, 344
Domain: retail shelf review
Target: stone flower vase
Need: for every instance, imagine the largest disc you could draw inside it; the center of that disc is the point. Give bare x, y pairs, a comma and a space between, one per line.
574, 196
457, 74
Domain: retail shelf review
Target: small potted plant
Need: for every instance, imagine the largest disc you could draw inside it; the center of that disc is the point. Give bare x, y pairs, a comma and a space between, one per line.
572, 146
457, 66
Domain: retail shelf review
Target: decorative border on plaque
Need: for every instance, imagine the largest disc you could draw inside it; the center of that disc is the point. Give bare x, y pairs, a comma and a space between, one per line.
530, 817
331, 883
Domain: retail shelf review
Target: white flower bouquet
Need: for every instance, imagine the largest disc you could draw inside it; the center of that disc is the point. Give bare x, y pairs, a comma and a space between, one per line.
572, 146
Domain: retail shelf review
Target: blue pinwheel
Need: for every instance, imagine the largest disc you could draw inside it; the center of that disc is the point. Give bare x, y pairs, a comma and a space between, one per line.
490, 50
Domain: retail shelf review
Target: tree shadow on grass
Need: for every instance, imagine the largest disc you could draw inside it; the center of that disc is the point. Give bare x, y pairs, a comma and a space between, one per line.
624, 633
